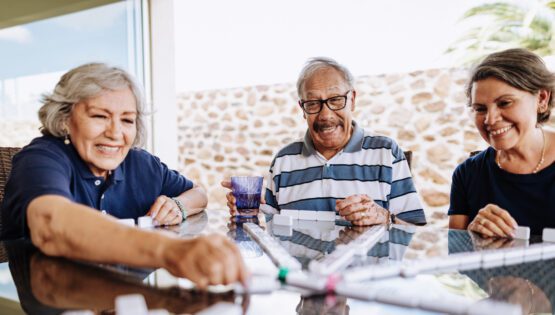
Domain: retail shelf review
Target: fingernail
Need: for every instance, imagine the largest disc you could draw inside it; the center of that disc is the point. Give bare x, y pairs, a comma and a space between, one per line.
155, 222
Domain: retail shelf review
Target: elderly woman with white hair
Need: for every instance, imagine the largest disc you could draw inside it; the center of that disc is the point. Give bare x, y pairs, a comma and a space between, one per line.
86, 165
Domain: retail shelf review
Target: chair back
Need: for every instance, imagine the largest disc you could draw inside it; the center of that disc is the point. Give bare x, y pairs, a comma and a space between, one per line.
6, 155
408, 156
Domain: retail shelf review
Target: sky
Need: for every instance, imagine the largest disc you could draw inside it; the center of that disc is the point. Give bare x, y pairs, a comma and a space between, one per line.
222, 44
225, 44
61, 43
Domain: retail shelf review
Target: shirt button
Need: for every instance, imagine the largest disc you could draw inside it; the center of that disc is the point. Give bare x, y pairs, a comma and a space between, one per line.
102, 197
97, 182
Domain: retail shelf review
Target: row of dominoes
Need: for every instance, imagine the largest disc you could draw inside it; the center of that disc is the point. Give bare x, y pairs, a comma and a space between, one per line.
459, 261
426, 301
303, 215
142, 222
343, 255
523, 232
274, 250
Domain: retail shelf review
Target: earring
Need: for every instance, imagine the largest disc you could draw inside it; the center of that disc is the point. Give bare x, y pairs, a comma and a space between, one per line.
66, 139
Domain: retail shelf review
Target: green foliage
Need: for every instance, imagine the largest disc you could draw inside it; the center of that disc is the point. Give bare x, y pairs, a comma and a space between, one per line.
502, 25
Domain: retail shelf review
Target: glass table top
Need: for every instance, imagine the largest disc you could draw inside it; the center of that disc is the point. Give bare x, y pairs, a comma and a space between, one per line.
38, 284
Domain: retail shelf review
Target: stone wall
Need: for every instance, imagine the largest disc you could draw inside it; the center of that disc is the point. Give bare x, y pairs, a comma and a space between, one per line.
237, 131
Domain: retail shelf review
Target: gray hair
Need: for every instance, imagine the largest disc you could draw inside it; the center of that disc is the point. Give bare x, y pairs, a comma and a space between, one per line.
81, 83
317, 63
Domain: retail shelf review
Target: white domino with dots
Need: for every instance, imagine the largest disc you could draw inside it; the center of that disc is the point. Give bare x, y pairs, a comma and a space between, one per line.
273, 249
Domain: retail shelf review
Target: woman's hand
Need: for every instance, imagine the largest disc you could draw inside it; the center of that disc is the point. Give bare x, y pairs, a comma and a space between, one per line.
164, 211
361, 210
493, 221
206, 260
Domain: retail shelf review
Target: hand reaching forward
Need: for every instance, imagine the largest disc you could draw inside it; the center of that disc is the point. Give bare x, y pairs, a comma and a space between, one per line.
206, 260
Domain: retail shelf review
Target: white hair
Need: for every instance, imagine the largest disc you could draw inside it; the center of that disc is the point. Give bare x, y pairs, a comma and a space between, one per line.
81, 83
317, 63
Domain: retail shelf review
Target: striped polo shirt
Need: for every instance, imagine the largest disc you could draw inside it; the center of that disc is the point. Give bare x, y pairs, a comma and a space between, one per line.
301, 178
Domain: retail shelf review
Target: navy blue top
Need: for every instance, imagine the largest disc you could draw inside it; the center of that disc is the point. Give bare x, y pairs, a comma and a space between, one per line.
48, 166
529, 198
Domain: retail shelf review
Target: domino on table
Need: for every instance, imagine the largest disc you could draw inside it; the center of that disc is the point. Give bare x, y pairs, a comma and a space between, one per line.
222, 308
145, 222
290, 213
273, 249
128, 222
423, 300
280, 219
364, 242
522, 233
258, 285
548, 235
340, 258
308, 215
131, 304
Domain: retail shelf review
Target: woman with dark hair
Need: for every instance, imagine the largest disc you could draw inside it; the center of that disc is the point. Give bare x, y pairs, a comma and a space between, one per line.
67, 187
512, 182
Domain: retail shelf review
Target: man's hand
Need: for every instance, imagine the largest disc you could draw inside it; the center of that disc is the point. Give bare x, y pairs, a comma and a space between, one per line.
361, 210
492, 221
231, 205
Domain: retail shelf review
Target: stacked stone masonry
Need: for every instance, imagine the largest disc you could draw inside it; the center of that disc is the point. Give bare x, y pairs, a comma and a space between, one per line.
236, 131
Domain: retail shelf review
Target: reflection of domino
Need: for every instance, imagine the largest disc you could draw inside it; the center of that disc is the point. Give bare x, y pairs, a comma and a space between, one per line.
343, 255
275, 251
364, 242
440, 304
340, 258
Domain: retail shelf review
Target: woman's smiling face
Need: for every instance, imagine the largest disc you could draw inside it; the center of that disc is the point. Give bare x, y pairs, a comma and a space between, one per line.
103, 129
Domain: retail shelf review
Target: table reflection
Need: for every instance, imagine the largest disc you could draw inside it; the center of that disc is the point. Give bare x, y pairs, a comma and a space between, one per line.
48, 285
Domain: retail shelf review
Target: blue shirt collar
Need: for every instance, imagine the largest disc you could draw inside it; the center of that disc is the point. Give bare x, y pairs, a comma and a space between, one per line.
84, 170
354, 144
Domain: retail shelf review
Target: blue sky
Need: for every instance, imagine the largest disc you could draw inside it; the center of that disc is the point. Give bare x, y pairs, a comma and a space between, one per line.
60, 43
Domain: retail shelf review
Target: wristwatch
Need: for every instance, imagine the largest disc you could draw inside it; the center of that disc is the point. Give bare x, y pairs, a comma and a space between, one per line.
181, 208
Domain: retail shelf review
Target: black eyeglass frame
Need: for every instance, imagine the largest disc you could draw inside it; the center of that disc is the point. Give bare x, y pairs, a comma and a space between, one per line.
322, 102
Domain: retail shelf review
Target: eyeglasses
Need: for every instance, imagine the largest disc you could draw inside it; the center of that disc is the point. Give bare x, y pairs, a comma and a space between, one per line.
333, 103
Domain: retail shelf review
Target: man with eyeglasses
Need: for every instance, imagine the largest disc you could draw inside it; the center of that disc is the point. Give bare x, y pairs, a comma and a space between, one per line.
339, 166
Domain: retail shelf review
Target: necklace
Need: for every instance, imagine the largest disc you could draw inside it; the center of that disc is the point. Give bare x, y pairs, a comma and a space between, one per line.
542, 158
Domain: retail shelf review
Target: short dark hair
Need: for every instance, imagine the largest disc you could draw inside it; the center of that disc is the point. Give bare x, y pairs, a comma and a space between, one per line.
519, 68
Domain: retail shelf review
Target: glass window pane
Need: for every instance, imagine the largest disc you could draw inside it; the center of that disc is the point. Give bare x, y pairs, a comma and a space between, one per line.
35, 55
